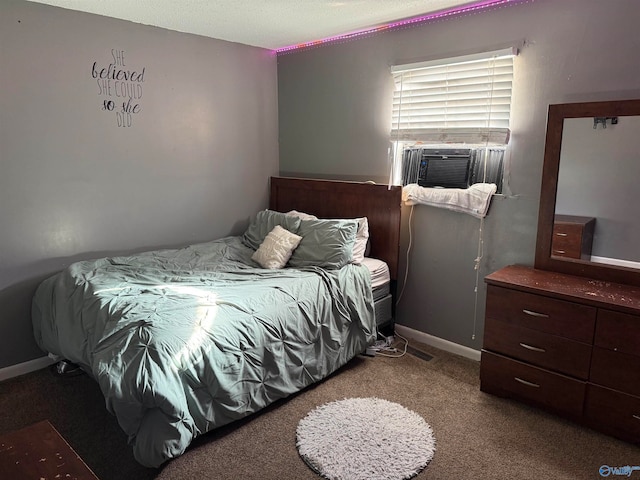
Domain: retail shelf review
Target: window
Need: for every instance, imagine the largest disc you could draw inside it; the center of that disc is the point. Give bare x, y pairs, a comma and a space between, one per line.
454, 115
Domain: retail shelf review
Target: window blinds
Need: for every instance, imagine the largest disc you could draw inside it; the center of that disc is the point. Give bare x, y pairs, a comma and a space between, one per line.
456, 100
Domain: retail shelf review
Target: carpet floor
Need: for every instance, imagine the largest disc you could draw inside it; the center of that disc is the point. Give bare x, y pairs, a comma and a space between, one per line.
478, 436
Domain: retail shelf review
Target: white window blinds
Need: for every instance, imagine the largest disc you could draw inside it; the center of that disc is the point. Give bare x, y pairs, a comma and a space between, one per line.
456, 100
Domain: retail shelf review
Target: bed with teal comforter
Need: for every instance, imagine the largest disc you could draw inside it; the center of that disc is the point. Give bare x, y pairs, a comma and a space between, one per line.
183, 341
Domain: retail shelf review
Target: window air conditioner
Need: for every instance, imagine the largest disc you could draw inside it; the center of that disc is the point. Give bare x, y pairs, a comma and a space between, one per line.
451, 167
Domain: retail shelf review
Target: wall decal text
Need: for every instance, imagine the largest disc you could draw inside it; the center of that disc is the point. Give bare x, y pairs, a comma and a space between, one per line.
120, 87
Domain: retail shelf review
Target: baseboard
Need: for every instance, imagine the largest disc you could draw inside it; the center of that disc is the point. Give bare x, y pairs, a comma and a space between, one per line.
25, 367
615, 261
437, 342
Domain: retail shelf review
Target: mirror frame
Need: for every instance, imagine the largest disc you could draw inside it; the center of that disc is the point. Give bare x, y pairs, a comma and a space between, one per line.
555, 122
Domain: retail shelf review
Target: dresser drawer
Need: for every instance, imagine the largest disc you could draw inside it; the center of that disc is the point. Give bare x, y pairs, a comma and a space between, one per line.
567, 240
558, 317
616, 370
613, 412
542, 349
572, 236
510, 378
618, 331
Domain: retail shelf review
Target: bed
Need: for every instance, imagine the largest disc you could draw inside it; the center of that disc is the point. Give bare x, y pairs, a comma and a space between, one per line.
182, 341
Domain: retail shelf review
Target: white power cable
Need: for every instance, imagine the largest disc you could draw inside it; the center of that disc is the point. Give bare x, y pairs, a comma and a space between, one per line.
385, 347
406, 270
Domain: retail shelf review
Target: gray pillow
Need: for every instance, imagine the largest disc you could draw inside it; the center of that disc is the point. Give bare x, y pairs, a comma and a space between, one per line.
264, 222
325, 243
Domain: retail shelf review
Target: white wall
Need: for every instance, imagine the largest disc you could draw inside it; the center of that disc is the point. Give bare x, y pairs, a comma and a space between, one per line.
193, 164
335, 116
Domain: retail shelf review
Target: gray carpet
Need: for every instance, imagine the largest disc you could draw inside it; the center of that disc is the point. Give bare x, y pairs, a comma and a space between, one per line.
479, 436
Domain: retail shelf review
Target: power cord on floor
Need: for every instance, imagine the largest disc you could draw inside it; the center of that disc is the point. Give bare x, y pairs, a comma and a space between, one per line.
384, 349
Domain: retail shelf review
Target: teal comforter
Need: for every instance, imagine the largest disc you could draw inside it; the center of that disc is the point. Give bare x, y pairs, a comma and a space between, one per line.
184, 341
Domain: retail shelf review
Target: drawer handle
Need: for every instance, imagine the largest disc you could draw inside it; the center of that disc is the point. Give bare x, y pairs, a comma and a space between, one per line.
560, 252
535, 314
637, 417
530, 347
561, 234
524, 382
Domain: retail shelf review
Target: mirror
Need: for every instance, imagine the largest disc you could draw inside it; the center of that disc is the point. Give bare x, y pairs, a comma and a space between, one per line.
590, 155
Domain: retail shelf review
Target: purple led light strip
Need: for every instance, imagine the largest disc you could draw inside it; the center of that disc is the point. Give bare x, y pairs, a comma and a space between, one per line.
423, 18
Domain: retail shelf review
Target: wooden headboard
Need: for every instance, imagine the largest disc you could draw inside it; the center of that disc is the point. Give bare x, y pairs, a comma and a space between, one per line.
338, 199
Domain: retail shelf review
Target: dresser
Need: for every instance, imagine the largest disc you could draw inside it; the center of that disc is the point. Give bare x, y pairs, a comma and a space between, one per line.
572, 236
568, 344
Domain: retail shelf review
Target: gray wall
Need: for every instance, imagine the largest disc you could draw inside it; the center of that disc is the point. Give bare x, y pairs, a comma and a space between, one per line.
192, 166
335, 111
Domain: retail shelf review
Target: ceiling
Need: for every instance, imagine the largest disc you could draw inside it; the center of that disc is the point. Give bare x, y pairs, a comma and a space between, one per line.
270, 24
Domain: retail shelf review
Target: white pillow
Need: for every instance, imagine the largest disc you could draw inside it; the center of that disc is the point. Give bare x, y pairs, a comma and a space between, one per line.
362, 238
301, 215
276, 249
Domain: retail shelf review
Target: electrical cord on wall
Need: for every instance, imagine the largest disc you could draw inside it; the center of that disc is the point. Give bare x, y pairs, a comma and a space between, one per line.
406, 269
384, 348
477, 269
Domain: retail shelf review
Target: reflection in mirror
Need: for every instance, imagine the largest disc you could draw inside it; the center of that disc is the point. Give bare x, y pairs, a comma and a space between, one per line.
592, 186
596, 217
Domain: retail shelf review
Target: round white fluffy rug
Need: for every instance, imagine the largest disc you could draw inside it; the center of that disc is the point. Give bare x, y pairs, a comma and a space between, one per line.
365, 439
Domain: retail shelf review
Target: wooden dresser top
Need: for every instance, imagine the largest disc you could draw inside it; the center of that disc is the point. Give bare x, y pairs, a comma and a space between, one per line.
573, 219
39, 451
614, 296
